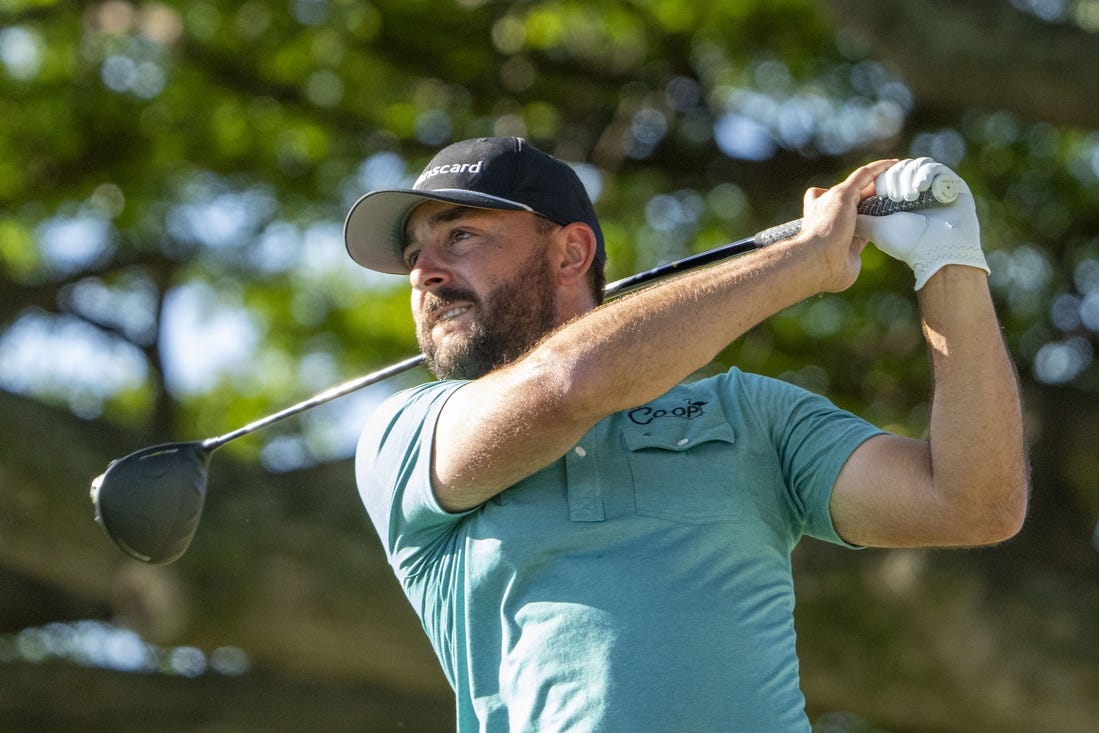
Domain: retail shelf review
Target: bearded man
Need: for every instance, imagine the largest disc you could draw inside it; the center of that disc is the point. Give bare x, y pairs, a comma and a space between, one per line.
592, 540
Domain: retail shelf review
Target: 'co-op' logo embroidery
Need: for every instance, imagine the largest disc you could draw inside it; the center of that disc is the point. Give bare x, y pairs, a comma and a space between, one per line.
647, 414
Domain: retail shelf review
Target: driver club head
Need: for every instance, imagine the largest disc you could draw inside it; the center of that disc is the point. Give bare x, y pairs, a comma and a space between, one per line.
150, 501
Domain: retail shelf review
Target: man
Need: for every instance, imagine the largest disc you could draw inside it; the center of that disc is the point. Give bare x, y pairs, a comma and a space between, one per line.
593, 544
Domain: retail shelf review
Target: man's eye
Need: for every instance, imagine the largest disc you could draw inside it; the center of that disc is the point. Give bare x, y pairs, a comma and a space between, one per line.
410, 258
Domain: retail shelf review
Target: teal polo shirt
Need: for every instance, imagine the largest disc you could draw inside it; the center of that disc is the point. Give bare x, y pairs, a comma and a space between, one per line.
642, 581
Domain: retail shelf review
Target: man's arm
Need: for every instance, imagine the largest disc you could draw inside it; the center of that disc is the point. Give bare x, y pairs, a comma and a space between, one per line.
967, 484
501, 428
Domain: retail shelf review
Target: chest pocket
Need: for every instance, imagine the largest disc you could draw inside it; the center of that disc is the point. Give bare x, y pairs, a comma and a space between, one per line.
683, 471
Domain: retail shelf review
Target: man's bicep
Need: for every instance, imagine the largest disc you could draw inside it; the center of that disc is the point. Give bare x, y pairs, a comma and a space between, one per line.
884, 496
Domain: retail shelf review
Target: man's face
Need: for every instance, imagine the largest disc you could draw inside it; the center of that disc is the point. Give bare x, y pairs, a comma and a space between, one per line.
482, 289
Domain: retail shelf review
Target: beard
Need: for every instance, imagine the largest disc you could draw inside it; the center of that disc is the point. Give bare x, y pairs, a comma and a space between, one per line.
509, 321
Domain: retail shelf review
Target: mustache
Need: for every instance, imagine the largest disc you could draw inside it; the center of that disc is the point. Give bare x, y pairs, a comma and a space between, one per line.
443, 298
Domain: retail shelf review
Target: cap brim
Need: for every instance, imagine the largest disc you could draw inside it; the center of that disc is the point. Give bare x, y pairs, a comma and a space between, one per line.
374, 229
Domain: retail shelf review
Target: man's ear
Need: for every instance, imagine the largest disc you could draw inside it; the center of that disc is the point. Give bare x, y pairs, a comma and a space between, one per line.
577, 252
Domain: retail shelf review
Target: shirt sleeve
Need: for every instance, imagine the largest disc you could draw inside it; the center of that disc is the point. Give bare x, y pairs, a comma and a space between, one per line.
813, 440
393, 473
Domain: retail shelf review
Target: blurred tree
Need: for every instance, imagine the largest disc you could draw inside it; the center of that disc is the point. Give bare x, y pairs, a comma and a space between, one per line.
173, 178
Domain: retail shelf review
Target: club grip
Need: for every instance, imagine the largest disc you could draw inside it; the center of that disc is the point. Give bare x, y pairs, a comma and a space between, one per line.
942, 192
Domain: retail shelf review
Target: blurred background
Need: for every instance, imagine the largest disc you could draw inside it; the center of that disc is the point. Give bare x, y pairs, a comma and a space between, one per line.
173, 182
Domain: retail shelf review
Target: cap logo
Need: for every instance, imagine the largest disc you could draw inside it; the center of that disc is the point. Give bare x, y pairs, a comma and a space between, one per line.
471, 168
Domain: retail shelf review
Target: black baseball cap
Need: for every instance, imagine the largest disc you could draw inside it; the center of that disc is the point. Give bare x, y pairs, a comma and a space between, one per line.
503, 173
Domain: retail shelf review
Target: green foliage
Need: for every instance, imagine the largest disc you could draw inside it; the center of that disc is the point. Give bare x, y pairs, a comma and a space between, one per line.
211, 149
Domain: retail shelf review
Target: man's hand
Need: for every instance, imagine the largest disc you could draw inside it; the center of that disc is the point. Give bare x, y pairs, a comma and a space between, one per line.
930, 239
829, 224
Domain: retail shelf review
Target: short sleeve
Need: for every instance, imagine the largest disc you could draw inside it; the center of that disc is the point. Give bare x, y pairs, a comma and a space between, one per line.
393, 473
813, 438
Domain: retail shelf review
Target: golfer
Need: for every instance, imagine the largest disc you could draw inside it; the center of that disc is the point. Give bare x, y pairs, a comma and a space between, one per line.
592, 540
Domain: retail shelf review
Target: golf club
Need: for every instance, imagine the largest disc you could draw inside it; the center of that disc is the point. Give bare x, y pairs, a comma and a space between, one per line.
150, 501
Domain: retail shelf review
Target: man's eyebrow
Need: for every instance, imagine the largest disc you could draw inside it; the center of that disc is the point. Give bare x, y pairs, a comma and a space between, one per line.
453, 214
440, 217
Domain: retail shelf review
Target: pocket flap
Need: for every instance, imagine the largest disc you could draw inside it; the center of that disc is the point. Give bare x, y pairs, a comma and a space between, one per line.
679, 437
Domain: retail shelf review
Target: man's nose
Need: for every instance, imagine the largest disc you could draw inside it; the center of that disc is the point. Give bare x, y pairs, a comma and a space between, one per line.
429, 272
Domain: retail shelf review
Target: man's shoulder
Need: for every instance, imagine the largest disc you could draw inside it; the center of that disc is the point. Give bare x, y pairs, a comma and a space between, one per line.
410, 407
743, 395
420, 397
734, 381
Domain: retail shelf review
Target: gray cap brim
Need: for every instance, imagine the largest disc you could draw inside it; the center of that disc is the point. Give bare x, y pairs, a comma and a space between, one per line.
374, 230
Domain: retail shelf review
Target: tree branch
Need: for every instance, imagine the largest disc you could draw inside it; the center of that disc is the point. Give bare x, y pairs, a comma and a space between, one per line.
985, 53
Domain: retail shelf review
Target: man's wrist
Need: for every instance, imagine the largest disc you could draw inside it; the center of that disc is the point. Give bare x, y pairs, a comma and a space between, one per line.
932, 259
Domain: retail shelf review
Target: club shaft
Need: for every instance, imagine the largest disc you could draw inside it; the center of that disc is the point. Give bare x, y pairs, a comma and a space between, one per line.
685, 264
942, 192
352, 385
872, 206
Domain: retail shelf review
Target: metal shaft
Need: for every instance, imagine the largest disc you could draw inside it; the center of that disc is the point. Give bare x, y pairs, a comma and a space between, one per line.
352, 385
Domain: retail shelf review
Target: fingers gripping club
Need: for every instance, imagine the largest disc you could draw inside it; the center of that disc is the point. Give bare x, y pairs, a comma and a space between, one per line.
942, 190
934, 237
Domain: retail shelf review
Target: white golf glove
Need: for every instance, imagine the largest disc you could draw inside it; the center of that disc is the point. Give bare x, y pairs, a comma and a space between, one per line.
928, 239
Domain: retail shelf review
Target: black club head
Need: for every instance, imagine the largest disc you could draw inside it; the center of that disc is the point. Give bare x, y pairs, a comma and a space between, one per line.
150, 501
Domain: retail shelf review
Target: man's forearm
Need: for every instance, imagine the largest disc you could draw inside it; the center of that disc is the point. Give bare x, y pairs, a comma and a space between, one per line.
653, 340
634, 349
978, 454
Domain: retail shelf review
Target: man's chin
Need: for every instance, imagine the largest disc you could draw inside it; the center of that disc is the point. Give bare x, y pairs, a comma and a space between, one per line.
452, 360
460, 370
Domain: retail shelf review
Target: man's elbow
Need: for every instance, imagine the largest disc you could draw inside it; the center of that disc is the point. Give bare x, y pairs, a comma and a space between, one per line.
999, 521
1014, 511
